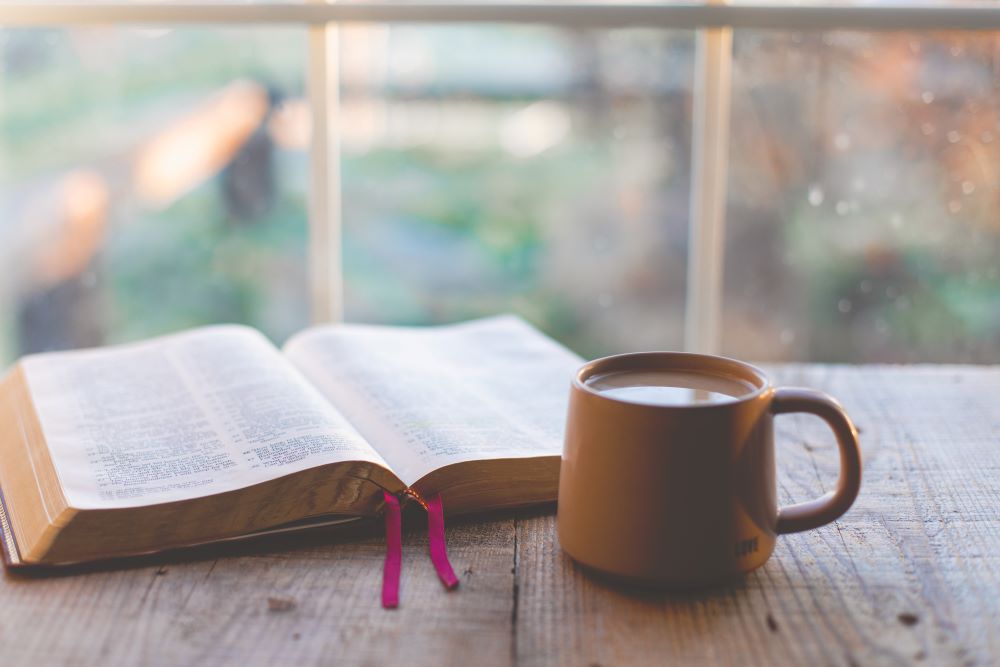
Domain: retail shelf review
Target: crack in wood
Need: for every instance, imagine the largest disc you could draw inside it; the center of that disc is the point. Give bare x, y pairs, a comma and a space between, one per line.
516, 594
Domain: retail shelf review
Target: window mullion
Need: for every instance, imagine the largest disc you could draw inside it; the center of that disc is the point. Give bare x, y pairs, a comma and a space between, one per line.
709, 163
326, 280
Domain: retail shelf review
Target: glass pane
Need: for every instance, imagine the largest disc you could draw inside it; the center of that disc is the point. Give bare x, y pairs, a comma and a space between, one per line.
150, 180
543, 172
864, 197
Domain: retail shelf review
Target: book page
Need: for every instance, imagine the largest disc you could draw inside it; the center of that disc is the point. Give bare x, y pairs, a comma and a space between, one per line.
429, 397
182, 416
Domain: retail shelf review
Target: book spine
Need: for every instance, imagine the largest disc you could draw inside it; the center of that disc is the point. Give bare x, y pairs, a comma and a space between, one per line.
11, 555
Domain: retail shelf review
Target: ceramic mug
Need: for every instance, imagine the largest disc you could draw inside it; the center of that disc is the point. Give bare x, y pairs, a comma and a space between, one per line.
681, 496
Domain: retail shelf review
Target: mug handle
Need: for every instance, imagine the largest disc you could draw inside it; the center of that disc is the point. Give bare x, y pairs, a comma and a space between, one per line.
831, 505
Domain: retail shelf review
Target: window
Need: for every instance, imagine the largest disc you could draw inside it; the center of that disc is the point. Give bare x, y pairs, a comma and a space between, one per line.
864, 196
547, 171
152, 180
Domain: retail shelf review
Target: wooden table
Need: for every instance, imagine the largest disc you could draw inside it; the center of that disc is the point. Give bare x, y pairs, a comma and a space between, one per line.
911, 574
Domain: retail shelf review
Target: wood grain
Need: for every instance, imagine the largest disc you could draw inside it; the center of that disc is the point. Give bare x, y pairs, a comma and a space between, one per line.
911, 575
313, 606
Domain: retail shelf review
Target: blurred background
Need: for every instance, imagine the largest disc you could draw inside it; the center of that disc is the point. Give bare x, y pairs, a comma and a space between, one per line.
156, 179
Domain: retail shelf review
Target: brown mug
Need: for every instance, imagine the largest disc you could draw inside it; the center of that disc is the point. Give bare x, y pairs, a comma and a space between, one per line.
684, 495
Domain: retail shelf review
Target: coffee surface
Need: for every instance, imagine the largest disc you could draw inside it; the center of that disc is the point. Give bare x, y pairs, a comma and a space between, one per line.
674, 388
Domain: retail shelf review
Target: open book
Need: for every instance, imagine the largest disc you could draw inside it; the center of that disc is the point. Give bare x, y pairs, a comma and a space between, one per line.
213, 434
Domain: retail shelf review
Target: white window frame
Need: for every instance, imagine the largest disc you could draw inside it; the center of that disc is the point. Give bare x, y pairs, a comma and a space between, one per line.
714, 21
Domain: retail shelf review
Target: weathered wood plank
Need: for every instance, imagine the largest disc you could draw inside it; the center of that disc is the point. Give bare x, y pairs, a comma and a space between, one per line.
314, 606
911, 574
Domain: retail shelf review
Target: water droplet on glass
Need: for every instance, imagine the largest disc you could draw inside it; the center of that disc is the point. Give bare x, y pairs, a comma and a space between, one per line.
926, 129
844, 305
859, 184
816, 195
896, 220
881, 326
953, 136
842, 207
927, 96
891, 292
954, 206
956, 50
842, 141
865, 286
968, 187
986, 137
902, 303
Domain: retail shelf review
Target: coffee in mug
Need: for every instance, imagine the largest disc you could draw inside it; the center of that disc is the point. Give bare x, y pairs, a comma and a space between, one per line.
653, 387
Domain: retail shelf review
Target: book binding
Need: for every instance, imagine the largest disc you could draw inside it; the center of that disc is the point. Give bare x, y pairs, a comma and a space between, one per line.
11, 554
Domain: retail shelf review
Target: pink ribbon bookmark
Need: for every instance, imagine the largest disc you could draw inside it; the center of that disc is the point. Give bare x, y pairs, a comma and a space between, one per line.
393, 552
436, 542
394, 547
